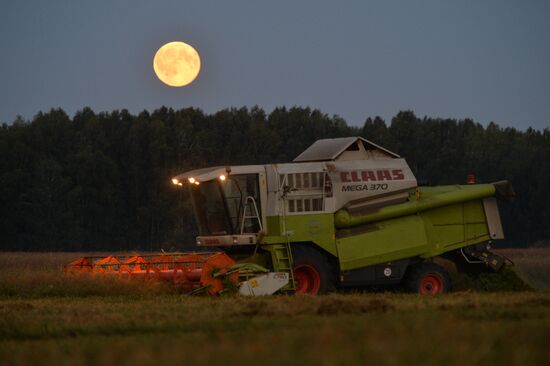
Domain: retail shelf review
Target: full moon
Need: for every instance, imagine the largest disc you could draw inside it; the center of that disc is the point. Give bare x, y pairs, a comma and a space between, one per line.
177, 64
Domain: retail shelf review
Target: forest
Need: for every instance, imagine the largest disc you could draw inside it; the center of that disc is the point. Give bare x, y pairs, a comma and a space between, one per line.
101, 181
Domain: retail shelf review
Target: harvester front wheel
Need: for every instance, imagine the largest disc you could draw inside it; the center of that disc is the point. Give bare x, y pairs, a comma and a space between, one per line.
312, 272
428, 279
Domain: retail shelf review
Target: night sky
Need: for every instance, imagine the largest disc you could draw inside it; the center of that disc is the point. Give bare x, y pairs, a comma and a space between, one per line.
487, 60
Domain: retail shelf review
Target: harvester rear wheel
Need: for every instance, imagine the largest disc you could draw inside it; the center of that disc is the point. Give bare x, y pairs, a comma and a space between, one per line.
312, 271
428, 279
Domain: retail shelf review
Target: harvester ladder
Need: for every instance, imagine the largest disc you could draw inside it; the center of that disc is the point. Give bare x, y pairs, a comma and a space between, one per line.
250, 205
281, 255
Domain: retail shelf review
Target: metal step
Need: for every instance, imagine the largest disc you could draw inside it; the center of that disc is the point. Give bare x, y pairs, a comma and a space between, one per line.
281, 257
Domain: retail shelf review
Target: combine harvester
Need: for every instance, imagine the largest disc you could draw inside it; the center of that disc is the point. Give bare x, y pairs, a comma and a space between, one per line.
345, 213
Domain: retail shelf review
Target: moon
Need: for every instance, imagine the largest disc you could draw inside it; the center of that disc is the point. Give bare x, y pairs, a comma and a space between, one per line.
176, 64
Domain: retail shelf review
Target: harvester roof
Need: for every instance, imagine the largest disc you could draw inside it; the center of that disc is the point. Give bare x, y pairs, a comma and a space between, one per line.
335, 149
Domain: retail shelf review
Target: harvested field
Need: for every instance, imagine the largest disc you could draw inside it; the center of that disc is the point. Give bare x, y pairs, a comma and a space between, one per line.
48, 319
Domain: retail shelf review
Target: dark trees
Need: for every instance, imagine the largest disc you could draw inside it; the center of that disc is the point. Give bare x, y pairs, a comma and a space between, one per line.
102, 181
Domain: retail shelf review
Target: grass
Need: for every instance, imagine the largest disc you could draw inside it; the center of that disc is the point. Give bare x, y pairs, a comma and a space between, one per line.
48, 319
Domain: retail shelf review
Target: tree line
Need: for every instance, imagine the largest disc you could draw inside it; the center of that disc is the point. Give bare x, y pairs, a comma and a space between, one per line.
101, 181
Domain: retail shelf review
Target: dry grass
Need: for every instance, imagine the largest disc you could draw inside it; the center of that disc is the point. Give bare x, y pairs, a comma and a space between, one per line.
336, 329
47, 319
532, 265
39, 275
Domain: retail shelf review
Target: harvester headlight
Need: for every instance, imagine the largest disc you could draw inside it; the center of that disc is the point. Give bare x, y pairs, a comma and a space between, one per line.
222, 177
197, 182
175, 181
192, 180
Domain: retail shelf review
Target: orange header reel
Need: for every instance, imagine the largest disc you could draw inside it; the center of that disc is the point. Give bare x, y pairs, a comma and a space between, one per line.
209, 271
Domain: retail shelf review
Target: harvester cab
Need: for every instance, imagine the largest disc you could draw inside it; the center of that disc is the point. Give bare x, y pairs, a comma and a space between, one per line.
229, 203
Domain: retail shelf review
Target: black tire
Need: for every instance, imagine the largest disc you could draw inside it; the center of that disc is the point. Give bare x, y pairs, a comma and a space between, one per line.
313, 274
427, 278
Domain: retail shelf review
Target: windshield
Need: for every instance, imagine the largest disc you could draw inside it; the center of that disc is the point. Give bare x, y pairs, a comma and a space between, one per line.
221, 207
210, 210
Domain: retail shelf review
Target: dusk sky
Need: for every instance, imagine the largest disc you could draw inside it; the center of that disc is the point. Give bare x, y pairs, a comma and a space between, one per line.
487, 60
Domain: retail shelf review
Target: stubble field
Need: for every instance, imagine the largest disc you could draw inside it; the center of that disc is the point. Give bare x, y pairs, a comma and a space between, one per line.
47, 319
